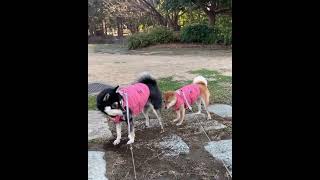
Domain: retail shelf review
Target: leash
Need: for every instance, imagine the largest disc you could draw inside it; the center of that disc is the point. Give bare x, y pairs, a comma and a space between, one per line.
190, 108
131, 149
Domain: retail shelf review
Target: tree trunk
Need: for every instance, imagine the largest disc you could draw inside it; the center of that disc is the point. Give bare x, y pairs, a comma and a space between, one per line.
174, 25
132, 28
176, 22
99, 29
91, 29
161, 21
104, 24
173, 21
94, 30
211, 17
120, 27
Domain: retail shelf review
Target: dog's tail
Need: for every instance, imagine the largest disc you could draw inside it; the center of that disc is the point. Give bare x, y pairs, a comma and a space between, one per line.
200, 80
155, 93
203, 81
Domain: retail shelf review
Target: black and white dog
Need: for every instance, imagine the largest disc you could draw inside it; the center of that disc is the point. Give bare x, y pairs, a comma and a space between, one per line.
141, 97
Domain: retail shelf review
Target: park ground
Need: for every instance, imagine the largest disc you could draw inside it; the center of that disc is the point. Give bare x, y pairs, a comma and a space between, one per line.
173, 65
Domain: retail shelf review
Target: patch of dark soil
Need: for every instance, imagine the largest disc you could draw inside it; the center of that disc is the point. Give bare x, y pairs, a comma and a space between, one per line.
152, 164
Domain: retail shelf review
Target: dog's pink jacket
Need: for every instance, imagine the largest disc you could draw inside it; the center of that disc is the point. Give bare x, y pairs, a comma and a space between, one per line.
191, 91
138, 95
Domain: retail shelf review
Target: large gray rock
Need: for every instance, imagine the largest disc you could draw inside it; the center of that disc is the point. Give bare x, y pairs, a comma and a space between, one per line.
207, 124
222, 110
192, 117
96, 166
97, 128
173, 145
221, 150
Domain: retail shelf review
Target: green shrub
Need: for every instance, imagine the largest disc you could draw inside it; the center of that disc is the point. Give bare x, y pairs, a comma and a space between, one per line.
134, 41
161, 35
223, 29
176, 36
139, 40
154, 35
199, 33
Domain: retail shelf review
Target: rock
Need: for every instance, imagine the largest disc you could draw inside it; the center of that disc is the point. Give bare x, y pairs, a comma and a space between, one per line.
97, 128
222, 110
191, 117
213, 125
173, 145
207, 124
221, 150
96, 166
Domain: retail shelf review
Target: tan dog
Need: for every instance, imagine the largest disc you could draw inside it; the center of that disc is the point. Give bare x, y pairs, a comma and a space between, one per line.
197, 92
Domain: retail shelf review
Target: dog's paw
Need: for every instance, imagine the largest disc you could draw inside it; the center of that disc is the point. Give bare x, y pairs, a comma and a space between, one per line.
197, 113
116, 142
179, 124
147, 125
209, 118
130, 141
175, 120
161, 131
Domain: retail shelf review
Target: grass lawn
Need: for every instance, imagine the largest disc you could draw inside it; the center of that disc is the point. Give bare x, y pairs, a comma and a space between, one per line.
91, 102
220, 87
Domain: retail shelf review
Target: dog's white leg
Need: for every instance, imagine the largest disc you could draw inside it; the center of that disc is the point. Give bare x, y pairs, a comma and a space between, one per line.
183, 113
178, 116
147, 119
205, 107
131, 133
131, 136
158, 117
198, 102
118, 129
145, 114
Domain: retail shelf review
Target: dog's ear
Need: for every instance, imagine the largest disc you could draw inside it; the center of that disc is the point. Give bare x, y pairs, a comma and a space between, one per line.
106, 97
116, 88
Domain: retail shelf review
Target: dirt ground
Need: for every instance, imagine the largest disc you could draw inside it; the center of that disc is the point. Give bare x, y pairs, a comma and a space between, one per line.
150, 161
122, 67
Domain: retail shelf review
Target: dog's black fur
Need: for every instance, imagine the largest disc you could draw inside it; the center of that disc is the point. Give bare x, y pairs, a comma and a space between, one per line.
155, 97
155, 94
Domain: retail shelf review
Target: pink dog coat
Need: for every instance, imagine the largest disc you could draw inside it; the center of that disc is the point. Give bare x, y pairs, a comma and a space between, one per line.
191, 92
138, 95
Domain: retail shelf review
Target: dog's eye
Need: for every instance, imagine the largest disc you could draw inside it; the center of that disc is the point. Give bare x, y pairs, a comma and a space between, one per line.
114, 105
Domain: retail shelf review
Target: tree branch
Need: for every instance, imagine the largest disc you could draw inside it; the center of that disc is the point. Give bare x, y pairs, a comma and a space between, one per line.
223, 10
